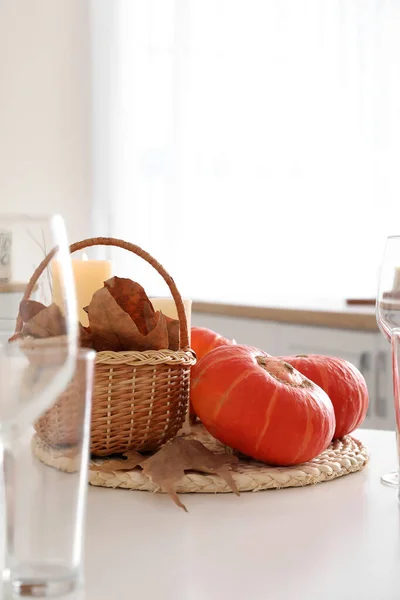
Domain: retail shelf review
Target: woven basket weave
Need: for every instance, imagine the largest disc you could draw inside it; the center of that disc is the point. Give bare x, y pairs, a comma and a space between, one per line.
140, 399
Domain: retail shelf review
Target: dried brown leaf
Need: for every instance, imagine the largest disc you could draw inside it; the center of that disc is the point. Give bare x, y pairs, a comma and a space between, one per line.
133, 455
173, 333
131, 460
112, 328
152, 318
169, 464
85, 337
157, 339
132, 298
49, 322
149, 316
29, 309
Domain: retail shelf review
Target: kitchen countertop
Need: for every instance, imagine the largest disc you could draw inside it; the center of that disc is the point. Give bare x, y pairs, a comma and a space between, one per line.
337, 540
323, 313
12, 287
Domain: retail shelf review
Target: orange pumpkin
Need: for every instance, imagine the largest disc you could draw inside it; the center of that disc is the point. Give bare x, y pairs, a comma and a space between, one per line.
203, 340
344, 384
261, 405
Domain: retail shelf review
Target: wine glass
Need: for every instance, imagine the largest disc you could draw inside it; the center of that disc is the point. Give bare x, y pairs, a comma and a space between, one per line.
388, 311
38, 353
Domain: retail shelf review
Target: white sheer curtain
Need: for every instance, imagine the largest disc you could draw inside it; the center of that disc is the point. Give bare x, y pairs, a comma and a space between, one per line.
255, 144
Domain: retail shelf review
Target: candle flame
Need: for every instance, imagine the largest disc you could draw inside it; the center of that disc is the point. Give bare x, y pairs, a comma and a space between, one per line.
85, 256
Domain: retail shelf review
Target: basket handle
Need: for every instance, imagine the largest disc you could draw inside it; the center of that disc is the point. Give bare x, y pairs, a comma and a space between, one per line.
106, 241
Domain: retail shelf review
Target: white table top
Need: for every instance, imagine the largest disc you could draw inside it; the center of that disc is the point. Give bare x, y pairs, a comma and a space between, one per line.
333, 541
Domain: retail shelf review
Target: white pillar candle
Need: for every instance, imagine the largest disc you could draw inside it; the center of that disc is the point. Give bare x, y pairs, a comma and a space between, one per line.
89, 276
168, 308
396, 283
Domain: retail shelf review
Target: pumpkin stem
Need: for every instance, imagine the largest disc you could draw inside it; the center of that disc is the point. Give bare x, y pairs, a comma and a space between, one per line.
281, 370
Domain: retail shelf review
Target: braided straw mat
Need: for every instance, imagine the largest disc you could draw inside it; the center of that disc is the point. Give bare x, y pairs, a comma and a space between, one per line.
343, 456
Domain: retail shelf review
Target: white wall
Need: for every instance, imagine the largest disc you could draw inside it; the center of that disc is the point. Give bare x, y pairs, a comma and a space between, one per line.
45, 116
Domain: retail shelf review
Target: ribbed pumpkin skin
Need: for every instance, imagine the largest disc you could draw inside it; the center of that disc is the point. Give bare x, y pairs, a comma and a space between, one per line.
203, 340
261, 406
344, 384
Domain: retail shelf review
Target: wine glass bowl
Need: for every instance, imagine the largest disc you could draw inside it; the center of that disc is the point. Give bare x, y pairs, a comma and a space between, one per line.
388, 298
25, 242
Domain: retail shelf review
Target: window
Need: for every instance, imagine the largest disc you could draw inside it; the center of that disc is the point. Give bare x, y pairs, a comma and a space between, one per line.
254, 145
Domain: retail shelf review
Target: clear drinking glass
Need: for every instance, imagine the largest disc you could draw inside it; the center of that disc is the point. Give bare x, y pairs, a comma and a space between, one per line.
42, 507
45, 472
388, 312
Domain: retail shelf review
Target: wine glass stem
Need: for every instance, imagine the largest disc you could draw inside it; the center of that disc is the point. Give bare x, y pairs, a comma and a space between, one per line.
7, 504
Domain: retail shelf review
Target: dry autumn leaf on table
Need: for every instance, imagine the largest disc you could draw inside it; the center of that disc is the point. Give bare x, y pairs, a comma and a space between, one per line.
132, 459
167, 466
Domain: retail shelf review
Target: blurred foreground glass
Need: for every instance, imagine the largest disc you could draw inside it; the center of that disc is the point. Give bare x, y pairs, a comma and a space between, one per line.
45, 475
388, 315
35, 369
27, 243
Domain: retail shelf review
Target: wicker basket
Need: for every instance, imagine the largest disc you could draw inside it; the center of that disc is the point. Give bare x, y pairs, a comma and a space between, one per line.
140, 399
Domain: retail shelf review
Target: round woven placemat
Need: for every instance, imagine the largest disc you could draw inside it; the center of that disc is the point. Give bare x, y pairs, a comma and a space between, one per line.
343, 456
